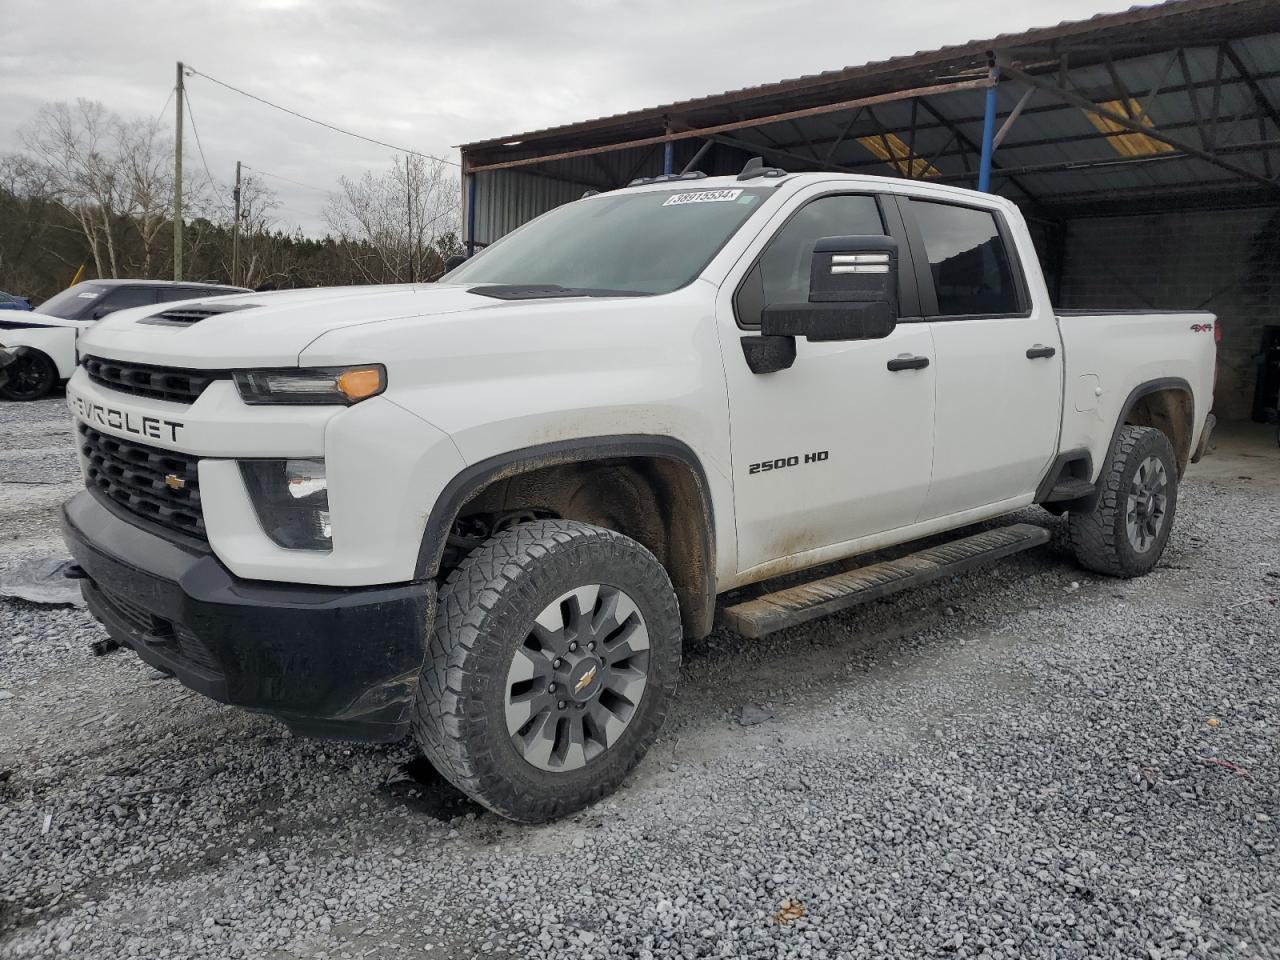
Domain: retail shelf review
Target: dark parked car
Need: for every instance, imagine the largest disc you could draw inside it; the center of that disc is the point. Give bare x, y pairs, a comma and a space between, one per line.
10, 302
38, 350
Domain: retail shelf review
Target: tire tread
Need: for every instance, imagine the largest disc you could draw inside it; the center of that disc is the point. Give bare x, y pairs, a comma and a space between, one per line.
490, 576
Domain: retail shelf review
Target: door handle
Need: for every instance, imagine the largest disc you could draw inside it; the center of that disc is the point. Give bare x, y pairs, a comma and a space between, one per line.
1040, 350
908, 363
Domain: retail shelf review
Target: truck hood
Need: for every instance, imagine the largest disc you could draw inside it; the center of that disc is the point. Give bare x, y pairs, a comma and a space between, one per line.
266, 329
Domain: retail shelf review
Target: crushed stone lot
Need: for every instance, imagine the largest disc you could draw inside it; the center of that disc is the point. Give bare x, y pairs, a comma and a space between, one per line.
1025, 762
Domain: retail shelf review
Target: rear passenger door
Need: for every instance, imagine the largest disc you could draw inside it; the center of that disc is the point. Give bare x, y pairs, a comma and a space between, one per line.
998, 366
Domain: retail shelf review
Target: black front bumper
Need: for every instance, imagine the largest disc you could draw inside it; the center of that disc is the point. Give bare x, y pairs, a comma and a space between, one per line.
328, 661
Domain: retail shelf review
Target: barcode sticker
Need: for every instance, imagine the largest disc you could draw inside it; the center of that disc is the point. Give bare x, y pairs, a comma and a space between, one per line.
703, 196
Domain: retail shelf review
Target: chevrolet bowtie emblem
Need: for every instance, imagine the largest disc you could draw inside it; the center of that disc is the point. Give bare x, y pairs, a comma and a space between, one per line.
174, 482
585, 681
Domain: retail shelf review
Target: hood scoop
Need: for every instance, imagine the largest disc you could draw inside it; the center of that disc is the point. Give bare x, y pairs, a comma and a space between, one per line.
186, 316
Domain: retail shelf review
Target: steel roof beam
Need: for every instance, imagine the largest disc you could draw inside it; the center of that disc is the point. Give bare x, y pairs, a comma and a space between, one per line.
835, 145
767, 151
1097, 134
973, 147
1120, 120
944, 151
1074, 166
1147, 96
1260, 99
1012, 117
703, 132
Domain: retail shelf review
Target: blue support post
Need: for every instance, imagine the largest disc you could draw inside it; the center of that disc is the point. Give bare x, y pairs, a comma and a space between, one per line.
988, 134
471, 215
668, 158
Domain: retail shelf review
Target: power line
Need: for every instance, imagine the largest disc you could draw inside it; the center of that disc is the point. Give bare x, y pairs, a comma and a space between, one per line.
191, 114
160, 115
329, 126
276, 176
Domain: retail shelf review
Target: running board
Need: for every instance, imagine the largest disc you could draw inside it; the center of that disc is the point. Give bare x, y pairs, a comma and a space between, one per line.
808, 601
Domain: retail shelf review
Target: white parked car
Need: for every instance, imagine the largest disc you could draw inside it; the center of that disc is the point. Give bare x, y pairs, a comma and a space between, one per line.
38, 348
487, 511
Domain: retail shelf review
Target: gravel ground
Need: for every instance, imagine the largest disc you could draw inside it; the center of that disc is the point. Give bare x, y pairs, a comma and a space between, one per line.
1025, 762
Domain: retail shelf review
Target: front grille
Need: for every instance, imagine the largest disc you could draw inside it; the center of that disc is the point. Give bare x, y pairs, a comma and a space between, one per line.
143, 380
160, 485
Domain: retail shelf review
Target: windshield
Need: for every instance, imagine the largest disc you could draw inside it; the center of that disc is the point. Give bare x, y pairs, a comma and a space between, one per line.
72, 302
622, 243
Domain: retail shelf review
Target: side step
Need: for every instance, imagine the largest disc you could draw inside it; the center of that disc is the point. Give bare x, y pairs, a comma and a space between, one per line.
808, 601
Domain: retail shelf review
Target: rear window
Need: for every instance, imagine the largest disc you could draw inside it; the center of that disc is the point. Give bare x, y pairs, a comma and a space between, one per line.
971, 271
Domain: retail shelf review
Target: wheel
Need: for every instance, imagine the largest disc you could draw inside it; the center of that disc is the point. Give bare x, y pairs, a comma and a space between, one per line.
553, 658
32, 376
1126, 532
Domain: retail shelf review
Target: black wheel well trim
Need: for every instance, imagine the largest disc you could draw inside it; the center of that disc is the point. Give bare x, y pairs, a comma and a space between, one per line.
1056, 469
1136, 394
475, 477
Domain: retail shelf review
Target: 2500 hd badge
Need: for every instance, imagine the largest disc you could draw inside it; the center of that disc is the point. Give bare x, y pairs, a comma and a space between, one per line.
138, 424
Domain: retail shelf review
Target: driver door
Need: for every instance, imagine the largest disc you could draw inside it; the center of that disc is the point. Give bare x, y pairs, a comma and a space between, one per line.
839, 446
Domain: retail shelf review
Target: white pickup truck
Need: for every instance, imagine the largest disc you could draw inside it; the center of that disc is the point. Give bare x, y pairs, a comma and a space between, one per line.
486, 511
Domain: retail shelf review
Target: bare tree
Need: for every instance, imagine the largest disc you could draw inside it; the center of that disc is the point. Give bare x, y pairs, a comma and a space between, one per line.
77, 144
396, 223
146, 162
258, 204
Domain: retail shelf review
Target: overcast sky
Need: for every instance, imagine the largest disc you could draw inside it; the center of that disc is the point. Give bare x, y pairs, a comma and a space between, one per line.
429, 76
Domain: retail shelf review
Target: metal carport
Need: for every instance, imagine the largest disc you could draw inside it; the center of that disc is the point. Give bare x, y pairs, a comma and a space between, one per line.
1143, 146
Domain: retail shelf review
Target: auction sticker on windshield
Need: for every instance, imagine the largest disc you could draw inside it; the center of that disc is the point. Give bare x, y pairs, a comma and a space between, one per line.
703, 196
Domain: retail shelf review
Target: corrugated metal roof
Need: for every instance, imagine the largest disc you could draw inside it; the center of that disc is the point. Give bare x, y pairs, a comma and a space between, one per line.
1172, 23
1204, 72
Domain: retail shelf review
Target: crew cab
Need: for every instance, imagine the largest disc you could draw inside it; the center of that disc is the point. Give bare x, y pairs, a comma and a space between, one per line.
487, 511
38, 349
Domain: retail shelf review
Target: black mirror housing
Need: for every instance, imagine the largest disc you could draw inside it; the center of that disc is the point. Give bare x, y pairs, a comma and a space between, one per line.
853, 293
457, 260
855, 270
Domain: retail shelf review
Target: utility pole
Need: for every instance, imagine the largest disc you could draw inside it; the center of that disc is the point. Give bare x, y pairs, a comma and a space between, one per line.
177, 182
235, 232
408, 194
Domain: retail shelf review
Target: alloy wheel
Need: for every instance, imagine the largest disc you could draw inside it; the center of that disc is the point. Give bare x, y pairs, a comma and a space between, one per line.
1147, 504
576, 681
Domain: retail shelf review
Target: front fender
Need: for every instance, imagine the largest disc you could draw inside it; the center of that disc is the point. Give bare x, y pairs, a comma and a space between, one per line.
58, 343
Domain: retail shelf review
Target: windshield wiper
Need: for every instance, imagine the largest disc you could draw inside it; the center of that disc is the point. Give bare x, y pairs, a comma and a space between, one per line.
546, 291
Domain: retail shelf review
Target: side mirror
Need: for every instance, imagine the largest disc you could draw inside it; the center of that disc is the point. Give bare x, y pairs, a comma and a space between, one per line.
853, 293
457, 260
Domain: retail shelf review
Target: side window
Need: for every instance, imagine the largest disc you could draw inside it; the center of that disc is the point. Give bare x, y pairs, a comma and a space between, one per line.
782, 273
170, 294
968, 259
122, 298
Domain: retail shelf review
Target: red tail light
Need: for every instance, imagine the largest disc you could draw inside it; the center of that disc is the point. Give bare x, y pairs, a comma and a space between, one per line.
1217, 330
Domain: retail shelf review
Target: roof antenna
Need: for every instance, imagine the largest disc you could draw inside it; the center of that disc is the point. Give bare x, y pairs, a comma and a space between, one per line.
755, 168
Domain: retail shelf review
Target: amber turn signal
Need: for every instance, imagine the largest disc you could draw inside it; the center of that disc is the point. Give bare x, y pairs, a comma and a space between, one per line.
360, 382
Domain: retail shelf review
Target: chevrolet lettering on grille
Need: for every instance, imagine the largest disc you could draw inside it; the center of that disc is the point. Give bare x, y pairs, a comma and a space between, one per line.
140, 425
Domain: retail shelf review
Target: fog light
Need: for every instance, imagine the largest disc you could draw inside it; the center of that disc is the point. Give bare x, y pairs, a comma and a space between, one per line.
291, 498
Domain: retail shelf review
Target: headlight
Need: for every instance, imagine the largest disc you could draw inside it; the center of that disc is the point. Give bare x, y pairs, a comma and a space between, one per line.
345, 385
292, 501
